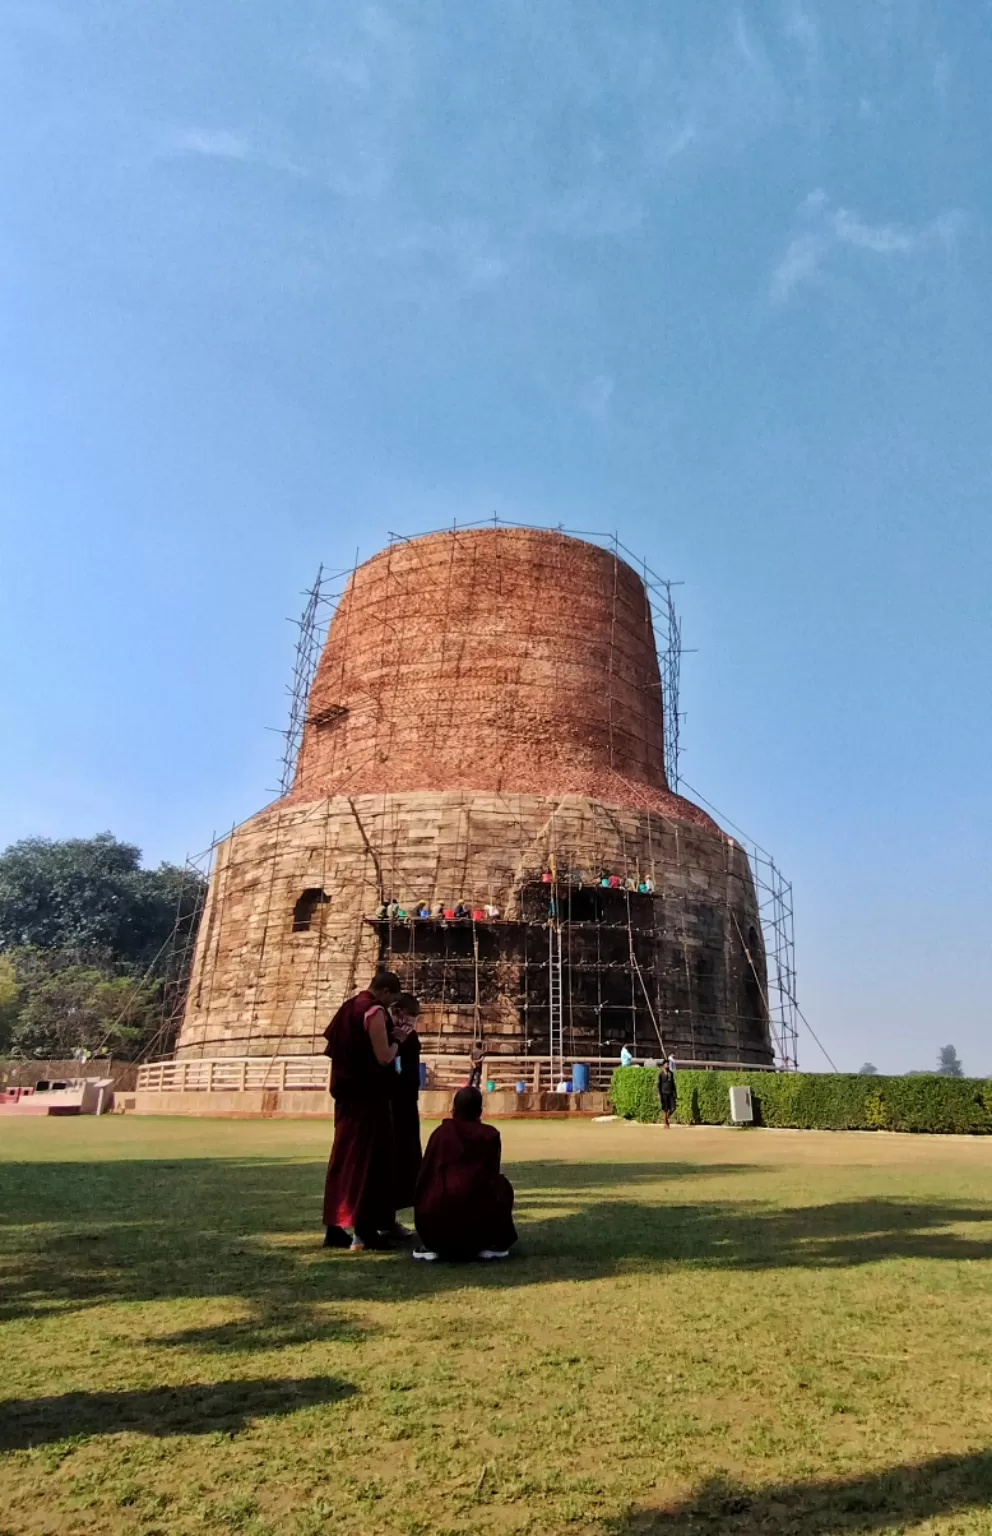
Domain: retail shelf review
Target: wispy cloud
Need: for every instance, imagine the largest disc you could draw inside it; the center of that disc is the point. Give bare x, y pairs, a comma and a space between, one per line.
833, 228
596, 395
746, 46
215, 143
942, 79
589, 212
679, 143
801, 28
225, 144
637, 112
799, 265
462, 251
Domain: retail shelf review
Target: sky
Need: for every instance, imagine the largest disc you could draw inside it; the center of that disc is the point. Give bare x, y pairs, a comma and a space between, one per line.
276, 281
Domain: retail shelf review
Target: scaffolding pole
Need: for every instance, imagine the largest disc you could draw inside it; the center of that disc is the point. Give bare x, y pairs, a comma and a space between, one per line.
311, 632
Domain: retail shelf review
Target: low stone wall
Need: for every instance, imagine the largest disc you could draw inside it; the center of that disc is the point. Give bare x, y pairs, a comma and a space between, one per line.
258, 1103
267, 1103
436, 1104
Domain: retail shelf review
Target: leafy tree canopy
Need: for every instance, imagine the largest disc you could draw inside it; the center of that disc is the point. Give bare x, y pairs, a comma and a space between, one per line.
949, 1062
69, 1008
868, 1070
87, 959
90, 897
10, 998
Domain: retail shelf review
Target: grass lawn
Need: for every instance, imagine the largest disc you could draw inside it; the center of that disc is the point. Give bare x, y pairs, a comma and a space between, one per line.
703, 1330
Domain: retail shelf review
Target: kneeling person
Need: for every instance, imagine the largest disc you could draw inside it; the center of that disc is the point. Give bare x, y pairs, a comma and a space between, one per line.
463, 1207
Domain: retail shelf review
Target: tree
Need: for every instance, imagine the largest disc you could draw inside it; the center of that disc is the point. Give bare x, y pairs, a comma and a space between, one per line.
90, 896
949, 1062
76, 1008
869, 1069
86, 944
10, 998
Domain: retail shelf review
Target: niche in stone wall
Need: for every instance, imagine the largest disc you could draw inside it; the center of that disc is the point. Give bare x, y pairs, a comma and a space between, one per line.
306, 905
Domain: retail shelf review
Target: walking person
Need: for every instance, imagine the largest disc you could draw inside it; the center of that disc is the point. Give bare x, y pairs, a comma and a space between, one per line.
476, 1059
358, 1190
667, 1092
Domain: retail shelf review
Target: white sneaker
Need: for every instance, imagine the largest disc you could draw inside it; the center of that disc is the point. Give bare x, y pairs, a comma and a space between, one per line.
424, 1253
494, 1253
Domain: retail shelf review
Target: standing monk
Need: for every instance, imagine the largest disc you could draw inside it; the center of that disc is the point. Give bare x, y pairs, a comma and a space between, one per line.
406, 1092
358, 1191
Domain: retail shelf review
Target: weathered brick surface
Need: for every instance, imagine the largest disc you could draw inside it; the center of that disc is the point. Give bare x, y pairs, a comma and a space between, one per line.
491, 659
260, 988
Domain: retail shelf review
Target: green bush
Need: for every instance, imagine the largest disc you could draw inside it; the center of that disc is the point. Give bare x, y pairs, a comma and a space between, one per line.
824, 1101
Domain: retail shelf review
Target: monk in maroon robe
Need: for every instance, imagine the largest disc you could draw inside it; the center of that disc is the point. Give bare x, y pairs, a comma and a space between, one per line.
406, 1093
464, 1205
358, 1191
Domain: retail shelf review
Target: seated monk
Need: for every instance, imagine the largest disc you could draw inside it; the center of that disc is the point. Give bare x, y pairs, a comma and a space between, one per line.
463, 1207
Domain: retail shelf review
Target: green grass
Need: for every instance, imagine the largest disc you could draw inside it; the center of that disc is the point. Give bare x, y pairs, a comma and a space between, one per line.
703, 1330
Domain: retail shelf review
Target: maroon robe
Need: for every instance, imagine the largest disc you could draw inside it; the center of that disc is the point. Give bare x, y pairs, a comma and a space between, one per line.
406, 1120
464, 1203
358, 1190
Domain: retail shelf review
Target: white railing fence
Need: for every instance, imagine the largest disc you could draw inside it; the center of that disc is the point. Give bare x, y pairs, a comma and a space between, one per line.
290, 1074
227, 1074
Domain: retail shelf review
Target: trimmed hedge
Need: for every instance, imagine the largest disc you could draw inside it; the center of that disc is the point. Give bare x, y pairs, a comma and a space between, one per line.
815, 1101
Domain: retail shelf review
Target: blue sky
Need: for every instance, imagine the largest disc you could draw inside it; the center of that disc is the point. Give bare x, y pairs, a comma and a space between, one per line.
277, 280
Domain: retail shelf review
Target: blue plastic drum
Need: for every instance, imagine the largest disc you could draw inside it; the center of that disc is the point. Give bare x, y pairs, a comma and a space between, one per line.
580, 1077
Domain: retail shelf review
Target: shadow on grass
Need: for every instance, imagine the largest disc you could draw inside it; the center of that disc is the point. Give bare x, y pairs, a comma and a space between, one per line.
889, 1500
223, 1406
552, 1175
241, 1231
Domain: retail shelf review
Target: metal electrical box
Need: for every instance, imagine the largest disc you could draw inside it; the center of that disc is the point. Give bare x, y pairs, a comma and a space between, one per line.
741, 1108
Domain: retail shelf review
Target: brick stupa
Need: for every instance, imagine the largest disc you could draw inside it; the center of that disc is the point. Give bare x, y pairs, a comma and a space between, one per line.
485, 727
